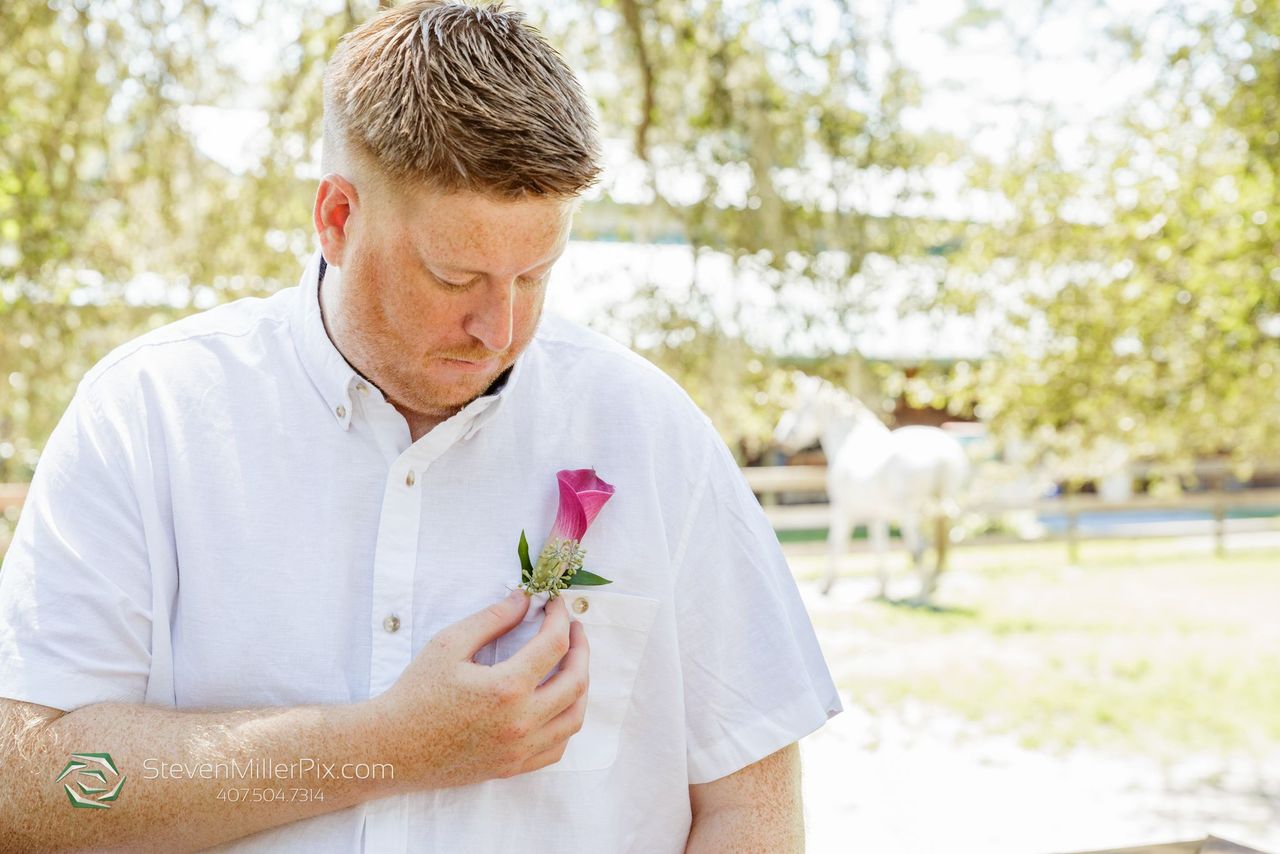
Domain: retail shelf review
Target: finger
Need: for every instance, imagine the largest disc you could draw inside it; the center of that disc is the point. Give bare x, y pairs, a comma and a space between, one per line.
562, 727
542, 760
570, 682
465, 638
544, 649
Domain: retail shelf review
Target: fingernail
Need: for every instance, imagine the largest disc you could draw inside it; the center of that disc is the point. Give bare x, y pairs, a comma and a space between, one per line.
514, 595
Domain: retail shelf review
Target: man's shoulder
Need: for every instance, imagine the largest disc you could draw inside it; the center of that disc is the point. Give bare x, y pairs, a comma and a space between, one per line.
601, 366
646, 414
555, 328
204, 340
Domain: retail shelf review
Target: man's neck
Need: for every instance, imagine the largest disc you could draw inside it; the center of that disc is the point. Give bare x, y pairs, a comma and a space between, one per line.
419, 424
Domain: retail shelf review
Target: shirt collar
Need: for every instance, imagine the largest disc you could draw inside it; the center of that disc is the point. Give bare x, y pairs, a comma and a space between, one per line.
337, 381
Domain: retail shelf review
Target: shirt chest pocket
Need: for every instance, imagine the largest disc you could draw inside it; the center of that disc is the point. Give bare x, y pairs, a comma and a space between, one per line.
618, 626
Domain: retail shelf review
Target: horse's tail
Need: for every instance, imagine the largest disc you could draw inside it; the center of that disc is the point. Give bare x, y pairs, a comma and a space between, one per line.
948, 482
942, 538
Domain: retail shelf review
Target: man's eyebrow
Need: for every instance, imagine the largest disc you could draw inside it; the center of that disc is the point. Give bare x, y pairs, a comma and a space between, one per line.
463, 271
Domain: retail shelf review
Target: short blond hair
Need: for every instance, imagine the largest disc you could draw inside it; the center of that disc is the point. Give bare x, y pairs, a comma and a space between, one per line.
459, 97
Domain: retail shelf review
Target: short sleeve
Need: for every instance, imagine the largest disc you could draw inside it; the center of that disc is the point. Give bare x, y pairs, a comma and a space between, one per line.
75, 601
754, 676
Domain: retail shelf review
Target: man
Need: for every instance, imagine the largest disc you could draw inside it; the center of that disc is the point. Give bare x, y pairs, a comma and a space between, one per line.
277, 534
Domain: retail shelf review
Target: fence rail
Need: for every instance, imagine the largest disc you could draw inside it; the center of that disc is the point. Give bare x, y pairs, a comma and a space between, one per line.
12, 495
771, 482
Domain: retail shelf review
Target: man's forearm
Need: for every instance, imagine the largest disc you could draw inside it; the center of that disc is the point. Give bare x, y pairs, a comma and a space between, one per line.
177, 763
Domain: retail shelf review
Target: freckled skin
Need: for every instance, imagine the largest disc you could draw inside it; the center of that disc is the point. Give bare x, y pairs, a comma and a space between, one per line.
756, 810
395, 312
447, 721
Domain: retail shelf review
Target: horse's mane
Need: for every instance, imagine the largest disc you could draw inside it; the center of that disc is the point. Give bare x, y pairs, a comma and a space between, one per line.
845, 402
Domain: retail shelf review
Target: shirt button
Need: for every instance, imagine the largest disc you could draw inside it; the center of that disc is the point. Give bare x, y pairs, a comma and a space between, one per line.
409, 478
391, 623
362, 388
580, 604
341, 410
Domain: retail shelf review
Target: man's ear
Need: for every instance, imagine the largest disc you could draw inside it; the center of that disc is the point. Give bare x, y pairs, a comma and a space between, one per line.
337, 202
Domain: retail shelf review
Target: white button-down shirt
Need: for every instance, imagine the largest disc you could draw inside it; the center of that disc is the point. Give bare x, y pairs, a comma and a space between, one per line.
228, 514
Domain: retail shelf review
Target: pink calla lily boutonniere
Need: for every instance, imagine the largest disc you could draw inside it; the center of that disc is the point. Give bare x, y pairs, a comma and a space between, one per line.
582, 494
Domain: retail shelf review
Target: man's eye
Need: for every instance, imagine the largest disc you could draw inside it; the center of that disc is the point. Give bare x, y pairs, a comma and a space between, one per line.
450, 283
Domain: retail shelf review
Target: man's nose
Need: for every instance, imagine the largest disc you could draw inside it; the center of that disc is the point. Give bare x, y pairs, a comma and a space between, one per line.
492, 320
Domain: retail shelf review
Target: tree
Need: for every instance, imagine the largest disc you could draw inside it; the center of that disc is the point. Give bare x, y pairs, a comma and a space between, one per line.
767, 134
1147, 263
763, 142
99, 180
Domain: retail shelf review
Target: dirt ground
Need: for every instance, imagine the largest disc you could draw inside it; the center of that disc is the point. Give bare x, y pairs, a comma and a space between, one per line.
922, 778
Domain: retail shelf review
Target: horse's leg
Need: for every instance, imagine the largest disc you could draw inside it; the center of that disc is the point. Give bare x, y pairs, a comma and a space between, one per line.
839, 526
943, 535
941, 538
914, 542
878, 530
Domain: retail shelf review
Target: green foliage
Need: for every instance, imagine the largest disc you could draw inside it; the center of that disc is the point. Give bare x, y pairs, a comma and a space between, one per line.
583, 578
526, 565
1150, 318
102, 172
100, 181
760, 126
45, 349
742, 390
1146, 263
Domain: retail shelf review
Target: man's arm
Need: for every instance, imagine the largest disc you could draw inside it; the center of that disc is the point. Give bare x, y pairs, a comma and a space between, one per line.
755, 809
173, 813
447, 721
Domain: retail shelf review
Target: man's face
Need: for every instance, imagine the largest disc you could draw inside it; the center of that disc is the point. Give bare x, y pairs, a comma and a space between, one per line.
429, 279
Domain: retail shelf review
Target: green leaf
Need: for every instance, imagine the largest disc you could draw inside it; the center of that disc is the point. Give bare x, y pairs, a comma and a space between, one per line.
526, 568
582, 578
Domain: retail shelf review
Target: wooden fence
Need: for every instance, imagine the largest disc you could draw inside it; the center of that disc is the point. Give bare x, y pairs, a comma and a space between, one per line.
771, 482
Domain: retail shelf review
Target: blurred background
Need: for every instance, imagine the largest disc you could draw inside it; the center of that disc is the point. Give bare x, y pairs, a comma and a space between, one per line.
1047, 230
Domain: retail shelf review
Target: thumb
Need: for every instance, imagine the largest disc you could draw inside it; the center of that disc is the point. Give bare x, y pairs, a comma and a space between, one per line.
491, 622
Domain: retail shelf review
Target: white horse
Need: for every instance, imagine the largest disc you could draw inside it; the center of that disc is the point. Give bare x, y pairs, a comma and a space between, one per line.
875, 475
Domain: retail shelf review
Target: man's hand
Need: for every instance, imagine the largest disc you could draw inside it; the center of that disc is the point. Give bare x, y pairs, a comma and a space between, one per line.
447, 721
455, 722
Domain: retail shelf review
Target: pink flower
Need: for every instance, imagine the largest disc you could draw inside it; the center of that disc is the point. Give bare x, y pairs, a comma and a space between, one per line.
582, 494
559, 564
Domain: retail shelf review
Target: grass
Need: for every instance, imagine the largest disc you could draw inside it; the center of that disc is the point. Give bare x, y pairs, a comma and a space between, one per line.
1151, 646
